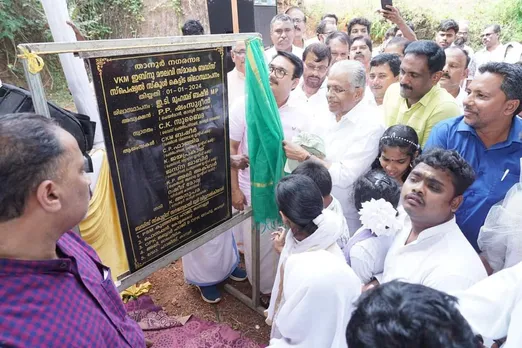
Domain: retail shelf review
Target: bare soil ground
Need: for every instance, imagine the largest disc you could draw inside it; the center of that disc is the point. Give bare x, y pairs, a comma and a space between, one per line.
170, 291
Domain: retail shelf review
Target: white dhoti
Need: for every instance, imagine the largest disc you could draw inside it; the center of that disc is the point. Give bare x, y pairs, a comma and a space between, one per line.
213, 262
268, 257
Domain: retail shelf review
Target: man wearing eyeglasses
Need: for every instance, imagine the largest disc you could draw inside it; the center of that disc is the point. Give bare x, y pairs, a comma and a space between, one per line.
493, 50
299, 19
282, 33
351, 133
311, 91
285, 70
236, 78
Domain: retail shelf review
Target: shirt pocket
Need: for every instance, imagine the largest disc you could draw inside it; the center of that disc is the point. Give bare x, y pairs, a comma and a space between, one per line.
114, 301
503, 184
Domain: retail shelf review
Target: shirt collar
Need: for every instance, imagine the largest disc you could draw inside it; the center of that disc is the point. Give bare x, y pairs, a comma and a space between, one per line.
239, 74
354, 114
431, 232
425, 100
515, 133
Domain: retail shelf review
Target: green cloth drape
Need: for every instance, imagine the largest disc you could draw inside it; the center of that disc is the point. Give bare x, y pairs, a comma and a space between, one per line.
265, 136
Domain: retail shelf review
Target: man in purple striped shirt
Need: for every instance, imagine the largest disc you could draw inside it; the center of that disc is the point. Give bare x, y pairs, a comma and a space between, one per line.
54, 290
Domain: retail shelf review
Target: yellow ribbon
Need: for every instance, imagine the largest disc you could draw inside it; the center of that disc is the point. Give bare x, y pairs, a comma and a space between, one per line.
34, 61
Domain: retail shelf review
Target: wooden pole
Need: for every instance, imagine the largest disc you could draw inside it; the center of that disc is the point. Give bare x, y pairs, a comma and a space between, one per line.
235, 18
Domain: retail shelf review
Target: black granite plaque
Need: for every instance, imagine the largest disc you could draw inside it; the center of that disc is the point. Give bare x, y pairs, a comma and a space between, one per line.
165, 124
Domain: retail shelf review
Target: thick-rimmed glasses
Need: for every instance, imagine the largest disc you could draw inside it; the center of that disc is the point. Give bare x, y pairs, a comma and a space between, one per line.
278, 72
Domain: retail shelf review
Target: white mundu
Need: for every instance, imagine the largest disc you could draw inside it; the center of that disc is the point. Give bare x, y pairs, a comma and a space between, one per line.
493, 306
440, 258
294, 120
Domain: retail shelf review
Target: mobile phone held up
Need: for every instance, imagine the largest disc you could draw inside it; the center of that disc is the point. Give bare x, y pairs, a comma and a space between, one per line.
385, 3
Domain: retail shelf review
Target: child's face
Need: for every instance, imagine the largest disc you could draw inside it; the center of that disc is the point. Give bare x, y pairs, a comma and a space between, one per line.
394, 162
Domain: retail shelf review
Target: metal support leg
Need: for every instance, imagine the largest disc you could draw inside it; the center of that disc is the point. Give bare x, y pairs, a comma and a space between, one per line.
256, 267
37, 91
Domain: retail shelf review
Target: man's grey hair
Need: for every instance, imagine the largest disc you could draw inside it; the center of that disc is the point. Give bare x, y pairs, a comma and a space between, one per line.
282, 18
355, 71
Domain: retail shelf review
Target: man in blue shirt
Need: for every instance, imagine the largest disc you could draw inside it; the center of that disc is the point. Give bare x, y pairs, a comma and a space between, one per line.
489, 137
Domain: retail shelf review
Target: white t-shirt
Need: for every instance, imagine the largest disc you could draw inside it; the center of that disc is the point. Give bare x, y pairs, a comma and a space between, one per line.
441, 258
294, 120
351, 146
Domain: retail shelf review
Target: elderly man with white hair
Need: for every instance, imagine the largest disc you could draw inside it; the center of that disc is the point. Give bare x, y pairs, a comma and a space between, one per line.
351, 133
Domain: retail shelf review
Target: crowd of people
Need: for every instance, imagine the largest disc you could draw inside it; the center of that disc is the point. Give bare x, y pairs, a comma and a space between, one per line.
396, 155
401, 151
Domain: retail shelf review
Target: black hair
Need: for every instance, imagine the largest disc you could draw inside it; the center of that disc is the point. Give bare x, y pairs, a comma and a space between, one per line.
390, 33
299, 198
404, 315
512, 75
331, 15
468, 58
321, 27
360, 21
448, 24
318, 173
366, 40
393, 61
399, 41
295, 8
376, 184
403, 137
296, 62
30, 151
435, 55
192, 27
339, 35
320, 50
496, 28
450, 161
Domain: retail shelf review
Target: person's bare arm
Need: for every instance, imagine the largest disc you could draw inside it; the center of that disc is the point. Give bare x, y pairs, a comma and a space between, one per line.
238, 198
393, 15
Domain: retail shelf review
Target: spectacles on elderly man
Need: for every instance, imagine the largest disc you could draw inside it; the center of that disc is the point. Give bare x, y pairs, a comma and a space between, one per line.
335, 89
277, 71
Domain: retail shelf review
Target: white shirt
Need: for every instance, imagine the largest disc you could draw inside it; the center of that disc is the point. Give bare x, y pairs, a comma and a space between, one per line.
311, 41
484, 56
236, 87
460, 98
440, 258
316, 104
493, 306
367, 256
294, 120
351, 146
271, 52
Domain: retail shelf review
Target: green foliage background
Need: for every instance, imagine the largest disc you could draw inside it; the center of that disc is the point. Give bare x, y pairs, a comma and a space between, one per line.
24, 21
